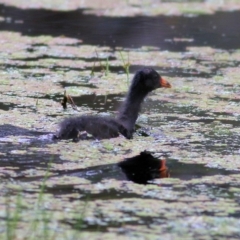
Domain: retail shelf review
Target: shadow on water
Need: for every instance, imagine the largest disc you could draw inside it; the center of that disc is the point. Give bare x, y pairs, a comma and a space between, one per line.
144, 167
139, 169
217, 30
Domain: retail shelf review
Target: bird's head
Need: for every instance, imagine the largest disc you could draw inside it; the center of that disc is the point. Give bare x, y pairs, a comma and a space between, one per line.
147, 79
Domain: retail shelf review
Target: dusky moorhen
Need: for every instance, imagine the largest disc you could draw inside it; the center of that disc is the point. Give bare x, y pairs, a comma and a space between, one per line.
102, 127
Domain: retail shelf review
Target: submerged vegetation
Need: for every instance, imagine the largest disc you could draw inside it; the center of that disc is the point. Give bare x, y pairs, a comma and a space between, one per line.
67, 190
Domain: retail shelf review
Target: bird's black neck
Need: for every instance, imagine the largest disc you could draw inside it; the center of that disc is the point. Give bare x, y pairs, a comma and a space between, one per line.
130, 108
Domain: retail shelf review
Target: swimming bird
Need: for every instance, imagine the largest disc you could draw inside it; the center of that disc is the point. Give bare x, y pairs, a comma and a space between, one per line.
102, 127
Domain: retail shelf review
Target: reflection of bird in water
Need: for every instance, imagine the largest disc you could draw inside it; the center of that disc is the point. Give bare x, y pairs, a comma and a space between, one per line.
99, 127
144, 167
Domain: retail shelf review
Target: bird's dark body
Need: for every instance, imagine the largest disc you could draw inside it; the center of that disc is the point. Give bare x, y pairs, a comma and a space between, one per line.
98, 127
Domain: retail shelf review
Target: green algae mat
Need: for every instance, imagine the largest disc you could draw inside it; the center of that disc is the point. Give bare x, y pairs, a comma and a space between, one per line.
91, 49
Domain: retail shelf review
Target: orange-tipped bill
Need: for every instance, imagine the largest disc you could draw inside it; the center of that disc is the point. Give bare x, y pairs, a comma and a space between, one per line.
164, 83
163, 170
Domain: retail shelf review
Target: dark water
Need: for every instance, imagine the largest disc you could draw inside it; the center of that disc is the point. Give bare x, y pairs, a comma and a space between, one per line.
100, 103
6, 106
217, 30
